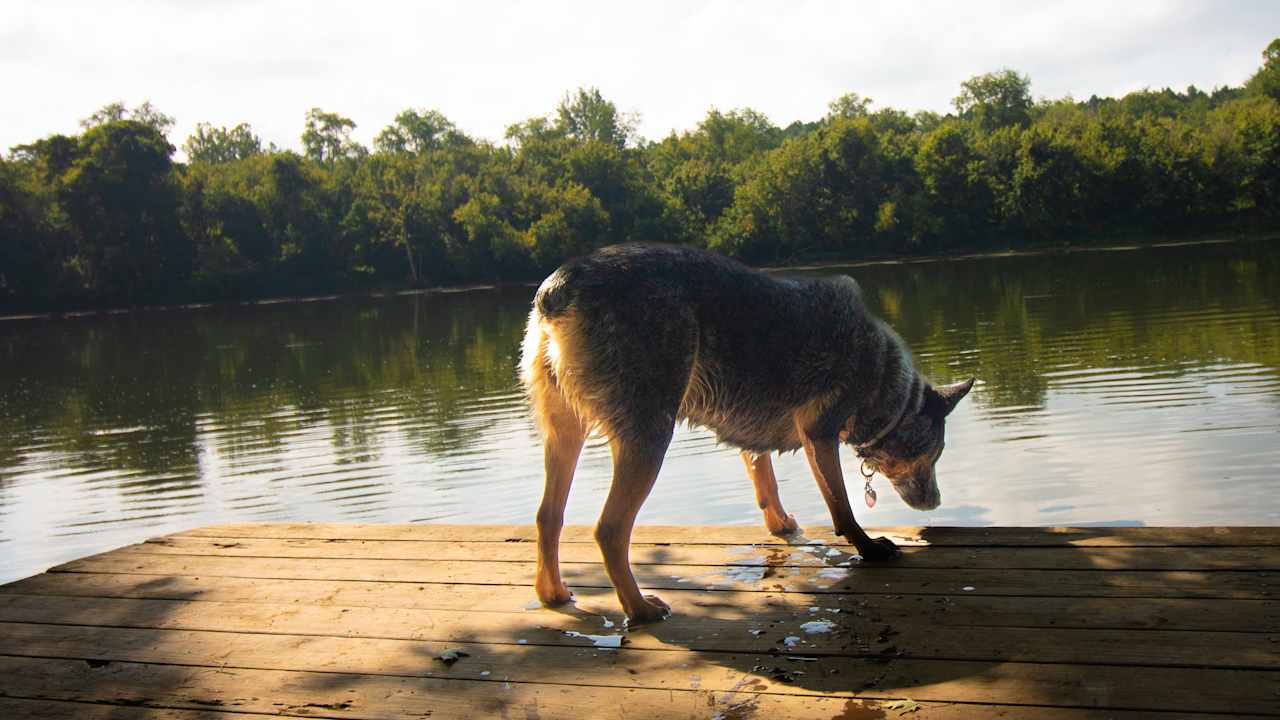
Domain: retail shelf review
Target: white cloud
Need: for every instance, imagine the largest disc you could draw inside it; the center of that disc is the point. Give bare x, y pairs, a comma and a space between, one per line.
487, 65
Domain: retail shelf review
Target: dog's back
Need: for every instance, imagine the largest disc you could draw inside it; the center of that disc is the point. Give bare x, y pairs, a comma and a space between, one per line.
634, 337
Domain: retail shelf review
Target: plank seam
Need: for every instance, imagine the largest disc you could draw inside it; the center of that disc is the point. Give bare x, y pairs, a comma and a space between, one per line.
132, 551
473, 611
819, 591
869, 655
722, 543
203, 709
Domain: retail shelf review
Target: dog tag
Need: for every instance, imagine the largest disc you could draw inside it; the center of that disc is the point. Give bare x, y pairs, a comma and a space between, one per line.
870, 496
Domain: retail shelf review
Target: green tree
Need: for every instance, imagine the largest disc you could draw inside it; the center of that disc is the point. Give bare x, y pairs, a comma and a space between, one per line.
327, 137
487, 232
995, 100
1242, 144
416, 131
90, 219
120, 198
958, 202
735, 136
822, 193
849, 105
1266, 81
221, 213
585, 115
26, 268
220, 145
404, 208
1049, 185
146, 113
572, 224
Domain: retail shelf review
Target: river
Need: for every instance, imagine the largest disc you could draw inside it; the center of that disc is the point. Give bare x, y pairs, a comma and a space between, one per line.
1133, 386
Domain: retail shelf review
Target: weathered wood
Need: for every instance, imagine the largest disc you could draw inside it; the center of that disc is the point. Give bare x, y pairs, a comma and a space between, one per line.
336, 695
942, 557
867, 578
964, 609
45, 709
346, 620
386, 672
757, 535
851, 633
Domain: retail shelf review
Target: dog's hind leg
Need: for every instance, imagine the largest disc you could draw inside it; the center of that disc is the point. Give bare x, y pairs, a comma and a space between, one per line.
563, 437
760, 470
635, 468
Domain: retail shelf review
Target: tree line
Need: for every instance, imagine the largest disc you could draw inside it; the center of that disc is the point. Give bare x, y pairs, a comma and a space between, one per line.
108, 217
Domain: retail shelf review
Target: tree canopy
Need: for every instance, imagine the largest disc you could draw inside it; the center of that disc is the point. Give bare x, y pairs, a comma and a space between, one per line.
108, 217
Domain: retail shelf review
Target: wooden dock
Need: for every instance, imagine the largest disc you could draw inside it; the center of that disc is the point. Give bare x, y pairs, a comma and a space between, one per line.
390, 621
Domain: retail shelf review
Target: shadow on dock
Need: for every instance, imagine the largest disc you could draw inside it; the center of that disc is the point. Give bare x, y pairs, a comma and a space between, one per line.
972, 622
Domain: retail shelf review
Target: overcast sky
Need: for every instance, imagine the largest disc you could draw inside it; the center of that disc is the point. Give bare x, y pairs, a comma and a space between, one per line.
486, 65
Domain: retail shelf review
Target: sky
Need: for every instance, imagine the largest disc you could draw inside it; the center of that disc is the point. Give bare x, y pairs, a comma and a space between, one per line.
487, 65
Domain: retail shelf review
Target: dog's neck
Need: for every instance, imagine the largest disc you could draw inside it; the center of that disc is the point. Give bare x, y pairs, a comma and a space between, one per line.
875, 439
886, 387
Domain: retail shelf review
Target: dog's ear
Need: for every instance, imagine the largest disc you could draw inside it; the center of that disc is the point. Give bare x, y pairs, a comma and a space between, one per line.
939, 402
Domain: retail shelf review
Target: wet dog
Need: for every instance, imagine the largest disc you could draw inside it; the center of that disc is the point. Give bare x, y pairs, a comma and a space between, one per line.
632, 339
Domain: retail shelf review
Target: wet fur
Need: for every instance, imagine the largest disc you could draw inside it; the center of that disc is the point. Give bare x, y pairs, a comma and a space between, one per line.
634, 347
634, 338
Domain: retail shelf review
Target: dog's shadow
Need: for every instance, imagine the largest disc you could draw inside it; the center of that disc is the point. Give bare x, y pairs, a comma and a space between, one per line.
800, 617
943, 622
807, 622
804, 616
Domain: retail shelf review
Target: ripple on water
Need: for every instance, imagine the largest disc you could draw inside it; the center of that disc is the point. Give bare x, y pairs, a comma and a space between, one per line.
407, 408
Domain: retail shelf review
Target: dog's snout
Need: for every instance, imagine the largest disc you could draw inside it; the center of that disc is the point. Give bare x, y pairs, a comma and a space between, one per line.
929, 501
919, 492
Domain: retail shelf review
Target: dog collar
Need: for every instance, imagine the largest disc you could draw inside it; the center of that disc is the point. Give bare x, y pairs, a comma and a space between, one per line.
902, 411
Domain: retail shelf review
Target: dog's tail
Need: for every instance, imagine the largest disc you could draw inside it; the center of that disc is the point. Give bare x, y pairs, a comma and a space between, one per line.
553, 300
549, 344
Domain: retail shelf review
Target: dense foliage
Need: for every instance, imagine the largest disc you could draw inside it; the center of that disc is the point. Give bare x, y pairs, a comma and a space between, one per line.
108, 217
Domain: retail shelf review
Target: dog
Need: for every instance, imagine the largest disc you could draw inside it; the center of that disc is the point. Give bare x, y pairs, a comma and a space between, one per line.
631, 339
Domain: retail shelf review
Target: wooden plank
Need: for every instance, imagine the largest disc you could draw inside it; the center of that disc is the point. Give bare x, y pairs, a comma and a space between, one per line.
332, 695
329, 666
757, 535
958, 558
22, 709
45, 709
1014, 622
877, 579
842, 633
959, 610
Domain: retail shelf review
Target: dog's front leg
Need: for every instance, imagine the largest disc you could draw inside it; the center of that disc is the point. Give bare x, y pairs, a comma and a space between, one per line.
824, 459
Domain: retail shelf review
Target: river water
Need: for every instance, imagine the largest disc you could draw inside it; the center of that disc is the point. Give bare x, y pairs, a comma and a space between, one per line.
1122, 387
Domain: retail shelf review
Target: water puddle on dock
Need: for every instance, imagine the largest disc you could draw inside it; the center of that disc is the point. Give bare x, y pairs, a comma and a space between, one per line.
611, 642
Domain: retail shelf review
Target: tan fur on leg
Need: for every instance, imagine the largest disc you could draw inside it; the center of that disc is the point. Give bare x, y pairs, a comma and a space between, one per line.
823, 455
563, 434
561, 447
760, 470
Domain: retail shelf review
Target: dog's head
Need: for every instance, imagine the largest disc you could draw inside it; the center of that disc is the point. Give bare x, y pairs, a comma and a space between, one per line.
907, 455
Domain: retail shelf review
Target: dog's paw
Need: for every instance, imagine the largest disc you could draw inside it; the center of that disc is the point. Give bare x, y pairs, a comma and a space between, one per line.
879, 550
553, 596
651, 610
784, 526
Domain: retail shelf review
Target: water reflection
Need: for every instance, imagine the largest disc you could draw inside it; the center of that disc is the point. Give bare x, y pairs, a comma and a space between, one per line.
1116, 387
